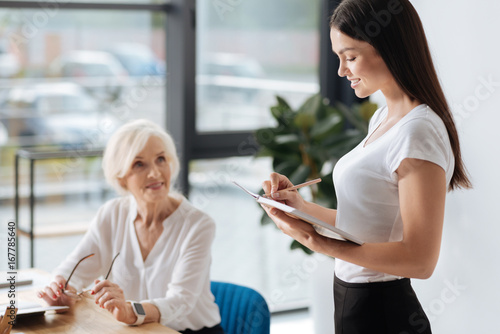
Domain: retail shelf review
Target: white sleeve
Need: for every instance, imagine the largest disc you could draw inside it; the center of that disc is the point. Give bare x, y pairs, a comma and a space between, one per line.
92, 242
190, 273
421, 139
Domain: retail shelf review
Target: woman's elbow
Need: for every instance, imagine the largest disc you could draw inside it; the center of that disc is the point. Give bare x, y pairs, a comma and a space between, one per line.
424, 269
421, 261
425, 274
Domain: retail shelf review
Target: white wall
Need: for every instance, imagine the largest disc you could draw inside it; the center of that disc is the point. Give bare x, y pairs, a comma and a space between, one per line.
463, 294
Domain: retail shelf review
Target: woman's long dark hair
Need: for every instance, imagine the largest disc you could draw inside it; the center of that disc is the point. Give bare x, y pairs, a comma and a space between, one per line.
394, 29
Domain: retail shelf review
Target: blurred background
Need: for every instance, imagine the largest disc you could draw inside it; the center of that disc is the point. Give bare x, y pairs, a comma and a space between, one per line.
70, 77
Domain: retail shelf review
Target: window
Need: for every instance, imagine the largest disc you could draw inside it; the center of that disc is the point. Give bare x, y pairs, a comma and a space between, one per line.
70, 74
247, 53
250, 51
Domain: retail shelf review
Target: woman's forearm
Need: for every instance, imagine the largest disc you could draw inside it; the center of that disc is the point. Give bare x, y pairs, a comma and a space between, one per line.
394, 258
320, 212
152, 313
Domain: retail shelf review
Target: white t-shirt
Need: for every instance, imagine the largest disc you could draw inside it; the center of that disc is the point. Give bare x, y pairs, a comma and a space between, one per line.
174, 276
366, 181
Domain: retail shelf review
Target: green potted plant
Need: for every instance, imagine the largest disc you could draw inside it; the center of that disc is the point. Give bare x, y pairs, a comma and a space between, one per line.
307, 142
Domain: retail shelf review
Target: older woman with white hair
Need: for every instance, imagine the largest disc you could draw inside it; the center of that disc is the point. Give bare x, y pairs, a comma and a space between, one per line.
162, 271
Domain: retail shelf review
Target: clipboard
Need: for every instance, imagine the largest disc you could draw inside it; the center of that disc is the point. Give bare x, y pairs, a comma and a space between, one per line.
320, 226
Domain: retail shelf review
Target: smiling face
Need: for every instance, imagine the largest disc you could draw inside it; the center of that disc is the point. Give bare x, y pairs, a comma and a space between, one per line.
361, 64
148, 179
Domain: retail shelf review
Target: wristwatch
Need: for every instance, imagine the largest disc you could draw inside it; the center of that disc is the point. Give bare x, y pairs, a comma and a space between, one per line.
138, 311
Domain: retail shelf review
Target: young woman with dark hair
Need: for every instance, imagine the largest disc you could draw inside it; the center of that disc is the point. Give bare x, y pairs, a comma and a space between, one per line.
391, 188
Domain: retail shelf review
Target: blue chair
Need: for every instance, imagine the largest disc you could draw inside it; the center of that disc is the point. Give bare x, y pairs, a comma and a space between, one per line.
243, 310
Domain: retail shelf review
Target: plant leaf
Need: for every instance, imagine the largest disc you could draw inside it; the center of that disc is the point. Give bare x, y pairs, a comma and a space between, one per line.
265, 136
343, 147
282, 102
287, 140
307, 114
312, 105
304, 121
330, 125
282, 112
271, 143
352, 117
286, 167
326, 192
367, 109
300, 175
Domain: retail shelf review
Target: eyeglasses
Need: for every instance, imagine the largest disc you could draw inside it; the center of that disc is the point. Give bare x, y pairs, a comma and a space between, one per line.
84, 293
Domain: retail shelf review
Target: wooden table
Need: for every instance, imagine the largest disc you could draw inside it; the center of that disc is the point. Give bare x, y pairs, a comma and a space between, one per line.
85, 317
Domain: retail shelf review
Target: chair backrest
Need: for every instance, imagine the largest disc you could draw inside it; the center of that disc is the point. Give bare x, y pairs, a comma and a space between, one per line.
242, 309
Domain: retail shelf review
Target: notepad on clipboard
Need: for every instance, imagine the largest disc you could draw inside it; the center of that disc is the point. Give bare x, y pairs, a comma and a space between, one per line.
320, 226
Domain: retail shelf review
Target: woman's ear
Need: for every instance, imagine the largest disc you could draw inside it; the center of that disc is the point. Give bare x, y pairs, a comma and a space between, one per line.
122, 182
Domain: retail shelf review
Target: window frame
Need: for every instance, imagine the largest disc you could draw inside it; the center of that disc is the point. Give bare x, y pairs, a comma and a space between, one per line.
166, 6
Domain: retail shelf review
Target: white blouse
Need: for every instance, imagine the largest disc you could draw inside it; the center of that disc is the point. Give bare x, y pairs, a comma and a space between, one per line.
366, 181
175, 276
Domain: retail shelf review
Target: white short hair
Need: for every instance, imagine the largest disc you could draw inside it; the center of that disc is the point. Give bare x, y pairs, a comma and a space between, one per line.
126, 143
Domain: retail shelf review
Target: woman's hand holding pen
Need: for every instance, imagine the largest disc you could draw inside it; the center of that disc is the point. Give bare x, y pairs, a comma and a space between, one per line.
279, 182
295, 228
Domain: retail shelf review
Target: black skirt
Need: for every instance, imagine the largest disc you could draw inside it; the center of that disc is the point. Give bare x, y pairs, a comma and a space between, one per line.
378, 308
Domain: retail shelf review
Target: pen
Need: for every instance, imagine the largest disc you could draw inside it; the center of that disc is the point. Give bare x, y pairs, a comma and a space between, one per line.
308, 183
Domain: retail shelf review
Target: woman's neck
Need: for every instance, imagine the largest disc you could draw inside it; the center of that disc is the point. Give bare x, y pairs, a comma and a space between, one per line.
151, 213
398, 103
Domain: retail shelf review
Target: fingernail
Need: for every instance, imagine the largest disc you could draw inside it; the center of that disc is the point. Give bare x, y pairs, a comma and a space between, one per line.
39, 295
58, 293
92, 292
274, 211
275, 195
54, 297
61, 286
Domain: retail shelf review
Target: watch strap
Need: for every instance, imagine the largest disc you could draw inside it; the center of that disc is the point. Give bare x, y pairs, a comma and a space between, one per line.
140, 317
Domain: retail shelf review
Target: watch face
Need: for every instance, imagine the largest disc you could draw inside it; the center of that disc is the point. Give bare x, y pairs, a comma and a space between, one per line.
139, 309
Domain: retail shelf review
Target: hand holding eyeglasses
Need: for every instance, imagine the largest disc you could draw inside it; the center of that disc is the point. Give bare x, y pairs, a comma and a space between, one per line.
54, 296
60, 293
109, 296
